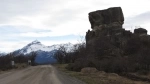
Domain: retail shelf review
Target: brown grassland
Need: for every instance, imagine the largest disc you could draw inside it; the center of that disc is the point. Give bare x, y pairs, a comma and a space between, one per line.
99, 77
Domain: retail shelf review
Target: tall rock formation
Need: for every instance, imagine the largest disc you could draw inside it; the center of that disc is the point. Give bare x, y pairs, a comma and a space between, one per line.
107, 37
107, 34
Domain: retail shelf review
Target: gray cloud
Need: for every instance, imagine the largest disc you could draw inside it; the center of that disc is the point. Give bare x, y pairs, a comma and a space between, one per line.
13, 8
19, 29
138, 20
56, 17
63, 16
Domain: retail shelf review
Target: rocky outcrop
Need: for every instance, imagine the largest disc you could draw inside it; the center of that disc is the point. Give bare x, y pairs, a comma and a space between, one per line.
108, 18
106, 30
111, 48
107, 37
140, 31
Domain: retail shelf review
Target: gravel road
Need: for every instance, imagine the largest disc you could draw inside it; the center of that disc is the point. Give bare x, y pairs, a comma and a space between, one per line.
43, 74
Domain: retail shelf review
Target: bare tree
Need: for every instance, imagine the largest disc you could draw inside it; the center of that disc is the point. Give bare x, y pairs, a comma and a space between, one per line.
61, 54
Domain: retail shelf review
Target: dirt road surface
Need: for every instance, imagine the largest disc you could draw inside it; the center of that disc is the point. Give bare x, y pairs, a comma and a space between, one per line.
43, 74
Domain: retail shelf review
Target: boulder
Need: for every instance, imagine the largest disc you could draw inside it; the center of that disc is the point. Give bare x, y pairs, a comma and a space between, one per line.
108, 18
140, 31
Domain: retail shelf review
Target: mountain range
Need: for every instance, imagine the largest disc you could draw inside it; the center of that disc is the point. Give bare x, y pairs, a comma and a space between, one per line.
45, 54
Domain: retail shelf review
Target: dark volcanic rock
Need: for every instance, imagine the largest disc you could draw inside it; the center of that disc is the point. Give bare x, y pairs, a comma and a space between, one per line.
107, 34
107, 37
111, 17
140, 31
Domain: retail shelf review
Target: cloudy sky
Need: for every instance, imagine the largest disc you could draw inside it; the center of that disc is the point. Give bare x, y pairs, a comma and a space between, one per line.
60, 21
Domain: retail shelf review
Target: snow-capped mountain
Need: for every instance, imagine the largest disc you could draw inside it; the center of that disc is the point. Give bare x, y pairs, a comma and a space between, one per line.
2, 53
45, 54
36, 46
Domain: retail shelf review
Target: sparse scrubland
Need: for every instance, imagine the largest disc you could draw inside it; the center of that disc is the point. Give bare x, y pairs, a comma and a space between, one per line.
20, 61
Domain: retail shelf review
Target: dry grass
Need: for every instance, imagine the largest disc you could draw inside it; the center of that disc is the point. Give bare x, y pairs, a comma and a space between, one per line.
99, 77
20, 66
89, 70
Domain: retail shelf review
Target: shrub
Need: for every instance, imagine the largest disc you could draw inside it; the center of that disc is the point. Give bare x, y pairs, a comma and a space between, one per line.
143, 72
